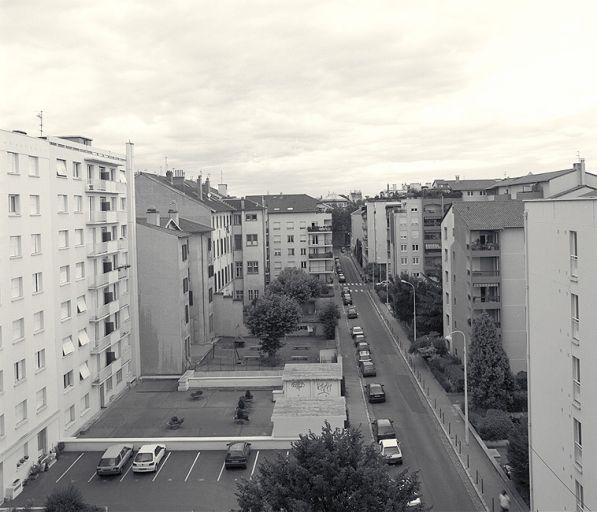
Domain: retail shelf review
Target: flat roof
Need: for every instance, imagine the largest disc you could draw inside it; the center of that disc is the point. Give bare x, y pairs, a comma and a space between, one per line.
300, 407
315, 371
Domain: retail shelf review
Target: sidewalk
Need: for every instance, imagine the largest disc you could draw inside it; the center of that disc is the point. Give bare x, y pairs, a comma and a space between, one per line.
483, 471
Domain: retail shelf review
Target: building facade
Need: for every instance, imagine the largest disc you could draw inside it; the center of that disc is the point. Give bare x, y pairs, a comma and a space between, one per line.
68, 310
561, 241
405, 233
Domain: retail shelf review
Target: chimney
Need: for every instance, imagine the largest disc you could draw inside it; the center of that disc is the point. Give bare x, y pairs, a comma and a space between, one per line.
207, 188
223, 189
178, 178
242, 204
580, 168
173, 215
457, 178
169, 176
200, 187
153, 217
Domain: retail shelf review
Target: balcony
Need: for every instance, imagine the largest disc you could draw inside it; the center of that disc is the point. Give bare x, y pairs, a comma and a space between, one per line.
105, 187
103, 375
319, 229
123, 244
576, 392
575, 331
578, 454
125, 354
107, 217
485, 276
573, 267
321, 255
485, 249
489, 302
104, 310
104, 279
125, 327
105, 342
102, 248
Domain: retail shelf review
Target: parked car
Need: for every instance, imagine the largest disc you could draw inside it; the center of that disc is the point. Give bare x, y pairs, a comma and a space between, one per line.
148, 457
345, 289
367, 368
341, 278
347, 299
390, 451
364, 355
383, 428
237, 455
356, 330
359, 338
363, 345
114, 459
352, 312
375, 393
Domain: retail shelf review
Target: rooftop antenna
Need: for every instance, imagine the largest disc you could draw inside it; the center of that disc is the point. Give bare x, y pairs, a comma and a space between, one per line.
41, 123
166, 163
578, 155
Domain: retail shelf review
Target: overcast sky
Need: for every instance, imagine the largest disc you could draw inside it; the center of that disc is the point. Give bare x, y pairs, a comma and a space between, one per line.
310, 96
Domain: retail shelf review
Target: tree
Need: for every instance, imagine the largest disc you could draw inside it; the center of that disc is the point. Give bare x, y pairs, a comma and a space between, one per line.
518, 454
329, 318
489, 377
68, 499
271, 318
332, 472
297, 284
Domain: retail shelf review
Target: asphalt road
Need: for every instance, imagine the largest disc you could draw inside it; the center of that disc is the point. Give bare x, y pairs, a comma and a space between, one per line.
444, 483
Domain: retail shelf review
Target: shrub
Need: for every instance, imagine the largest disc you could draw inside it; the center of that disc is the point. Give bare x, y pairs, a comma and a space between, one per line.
440, 377
519, 401
521, 380
496, 425
455, 374
329, 318
68, 499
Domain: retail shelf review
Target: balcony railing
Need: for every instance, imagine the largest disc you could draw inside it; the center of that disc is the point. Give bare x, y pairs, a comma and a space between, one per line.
321, 255
104, 310
576, 392
106, 186
317, 229
103, 343
575, 330
578, 453
573, 266
125, 355
103, 374
107, 217
103, 279
492, 298
102, 248
486, 246
486, 273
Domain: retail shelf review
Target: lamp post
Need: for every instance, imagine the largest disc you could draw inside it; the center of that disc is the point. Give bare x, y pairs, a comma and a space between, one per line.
414, 309
449, 338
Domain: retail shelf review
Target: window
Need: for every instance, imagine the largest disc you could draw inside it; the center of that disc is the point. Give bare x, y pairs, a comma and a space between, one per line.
83, 338
61, 168
253, 294
252, 267
67, 380
210, 295
303, 224
13, 163
415, 247
239, 294
70, 414
290, 252
277, 239
63, 239
33, 166
18, 329
15, 247
403, 247
302, 238
21, 412
85, 404
77, 170
577, 426
65, 310
303, 264
290, 225
40, 359
403, 236
81, 304
20, 371
414, 209
40, 398
415, 260
37, 282
185, 252
238, 268
62, 203
1, 381
36, 243
109, 383
575, 316
573, 254
252, 239
78, 204
123, 232
576, 380
14, 204
119, 376
80, 270
303, 251
250, 217
34, 205
277, 252
403, 261
290, 239
16, 288
277, 265
79, 240
67, 346
84, 372
580, 497
38, 321
64, 274
276, 225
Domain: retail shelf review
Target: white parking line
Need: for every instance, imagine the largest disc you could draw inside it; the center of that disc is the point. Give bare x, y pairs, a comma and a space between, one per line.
92, 477
161, 466
126, 472
221, 469
254, 464
192, 466
69, 468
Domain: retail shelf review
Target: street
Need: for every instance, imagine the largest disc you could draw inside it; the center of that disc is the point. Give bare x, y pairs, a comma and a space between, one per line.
444, 483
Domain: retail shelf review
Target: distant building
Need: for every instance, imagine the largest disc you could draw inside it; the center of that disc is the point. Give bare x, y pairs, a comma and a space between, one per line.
405, 231
471, 190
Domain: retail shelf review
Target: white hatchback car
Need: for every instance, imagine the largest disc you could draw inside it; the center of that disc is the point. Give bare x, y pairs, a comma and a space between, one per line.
390, 451
149, 457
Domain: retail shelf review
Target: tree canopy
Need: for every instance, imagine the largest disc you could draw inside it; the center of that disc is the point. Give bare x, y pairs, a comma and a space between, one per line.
329, 318
297, 284
489, 376
272, 317
332, 472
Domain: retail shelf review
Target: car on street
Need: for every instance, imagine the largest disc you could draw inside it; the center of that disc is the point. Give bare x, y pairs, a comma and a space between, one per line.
359, 338
364, 355
341, 278
367, 369
114, 459
148, 458
363, 345
237, 455
375, 393
347, 299
390, 451
356, 330
345, 289
383, 428
351, 312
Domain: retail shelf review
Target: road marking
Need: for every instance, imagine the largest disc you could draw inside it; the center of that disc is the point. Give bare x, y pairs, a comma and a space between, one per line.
254, 465
92, 477
127, 471
162, 464
221, 469
69, 468
192, 466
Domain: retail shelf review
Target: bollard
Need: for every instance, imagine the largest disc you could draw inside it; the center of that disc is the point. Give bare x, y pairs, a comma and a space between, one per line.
481, 486
449, 428
456, 439
435, 403
467, 462
460, 448
492, 504
476, 476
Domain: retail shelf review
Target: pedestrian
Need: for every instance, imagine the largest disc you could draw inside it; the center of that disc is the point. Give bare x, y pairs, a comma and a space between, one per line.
504, 501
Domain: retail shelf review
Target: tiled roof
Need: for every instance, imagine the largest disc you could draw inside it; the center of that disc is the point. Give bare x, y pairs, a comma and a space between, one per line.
287, 203
191, 226
531, 178
491, 214
470, 184
174, 232
564, 193
235, 202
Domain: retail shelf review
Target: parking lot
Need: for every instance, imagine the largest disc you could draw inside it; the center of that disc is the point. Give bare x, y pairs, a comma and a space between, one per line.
185, 481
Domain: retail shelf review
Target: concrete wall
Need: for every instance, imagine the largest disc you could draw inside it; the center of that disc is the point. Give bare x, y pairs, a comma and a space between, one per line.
312, 389
293, 426
240, 380
228, 315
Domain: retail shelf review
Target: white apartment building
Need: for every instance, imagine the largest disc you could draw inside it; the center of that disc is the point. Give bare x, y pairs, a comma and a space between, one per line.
405, 237
68, 313
561, 244
299, 235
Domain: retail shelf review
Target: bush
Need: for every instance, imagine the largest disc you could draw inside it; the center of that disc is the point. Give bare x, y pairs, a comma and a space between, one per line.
519, 401
68, 499
496, 425
455, 374
329, 318
440, 377
521, 380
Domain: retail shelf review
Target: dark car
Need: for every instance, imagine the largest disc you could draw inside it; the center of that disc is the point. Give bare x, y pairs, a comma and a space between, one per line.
367, 368
383, 429
363, 345
114, 459
341, 278
352, 312
347, 299
237, 455
375, 393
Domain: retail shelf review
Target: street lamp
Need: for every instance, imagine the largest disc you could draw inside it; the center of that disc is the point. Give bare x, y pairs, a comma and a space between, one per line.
449, 338
414, 309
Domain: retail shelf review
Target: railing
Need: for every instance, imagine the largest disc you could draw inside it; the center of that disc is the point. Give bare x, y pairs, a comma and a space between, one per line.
107, 217
100, 248
103, 343
573, 266
493, 298
575, 330
321, 255
576, 392
103, 279
487, 246
486, 273
103, 374
578, 453
316, 229
125, 354
104, 310
108, 186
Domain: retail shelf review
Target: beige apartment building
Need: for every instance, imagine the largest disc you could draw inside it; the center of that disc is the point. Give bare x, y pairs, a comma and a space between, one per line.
405, 237
68, 311
483, 270
561, 244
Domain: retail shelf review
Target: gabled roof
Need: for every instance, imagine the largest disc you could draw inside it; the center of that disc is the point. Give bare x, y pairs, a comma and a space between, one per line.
564, 193
531, 178
491, 214
459, 185
235, 202
592, 193
287, 203
184, 228
191, 226
174, 232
